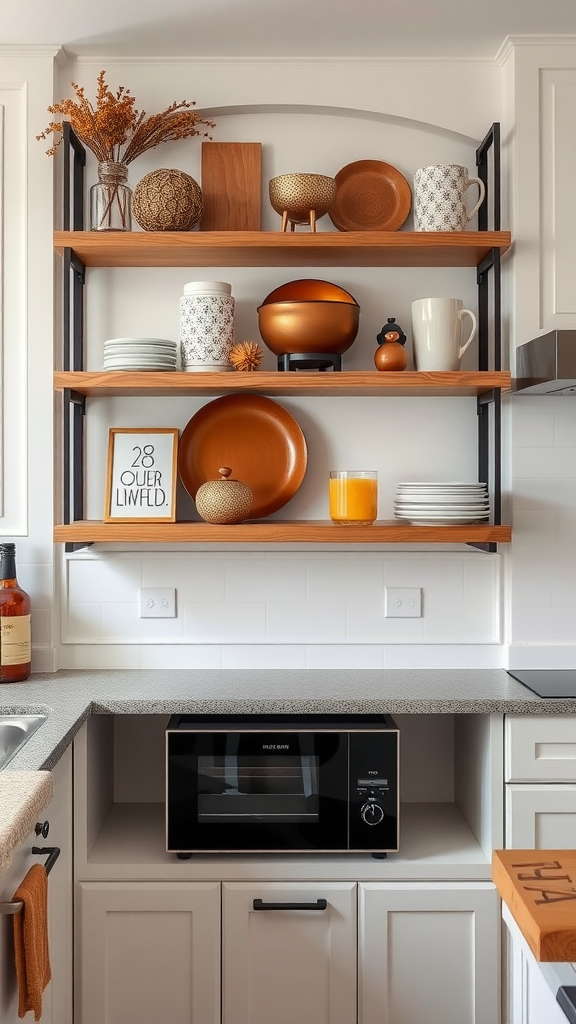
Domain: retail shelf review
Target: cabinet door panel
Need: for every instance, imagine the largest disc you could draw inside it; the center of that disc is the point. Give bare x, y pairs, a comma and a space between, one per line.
540, 817
429, 953
149, 952
540, 748
289, 966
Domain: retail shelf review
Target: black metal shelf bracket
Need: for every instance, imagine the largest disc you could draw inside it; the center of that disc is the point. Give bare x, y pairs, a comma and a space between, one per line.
74, 404
489, 282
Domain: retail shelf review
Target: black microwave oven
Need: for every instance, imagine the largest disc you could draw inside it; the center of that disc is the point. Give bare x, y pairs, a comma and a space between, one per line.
282, 783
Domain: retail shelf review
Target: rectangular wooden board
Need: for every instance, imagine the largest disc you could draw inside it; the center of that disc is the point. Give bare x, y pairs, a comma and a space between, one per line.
539, 889
231, 186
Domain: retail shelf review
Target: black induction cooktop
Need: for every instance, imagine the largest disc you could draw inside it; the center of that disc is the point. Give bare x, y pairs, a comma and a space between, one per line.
546, 682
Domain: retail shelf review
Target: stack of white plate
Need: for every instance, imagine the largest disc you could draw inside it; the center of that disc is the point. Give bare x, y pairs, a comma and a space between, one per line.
437, 503
139, 354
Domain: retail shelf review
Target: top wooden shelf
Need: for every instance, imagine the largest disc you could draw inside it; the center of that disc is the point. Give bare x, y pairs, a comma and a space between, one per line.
281, 249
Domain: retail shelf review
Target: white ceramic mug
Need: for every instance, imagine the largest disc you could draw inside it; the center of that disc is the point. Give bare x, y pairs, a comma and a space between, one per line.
437, 331
441, 198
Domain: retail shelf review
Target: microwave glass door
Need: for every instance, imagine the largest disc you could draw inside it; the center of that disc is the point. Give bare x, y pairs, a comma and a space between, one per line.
257, 791
238, 788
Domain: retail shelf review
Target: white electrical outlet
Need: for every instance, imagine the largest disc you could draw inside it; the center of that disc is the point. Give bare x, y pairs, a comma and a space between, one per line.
157, 603
402, 602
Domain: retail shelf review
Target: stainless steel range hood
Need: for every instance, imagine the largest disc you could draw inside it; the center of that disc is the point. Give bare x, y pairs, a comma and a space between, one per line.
547, 365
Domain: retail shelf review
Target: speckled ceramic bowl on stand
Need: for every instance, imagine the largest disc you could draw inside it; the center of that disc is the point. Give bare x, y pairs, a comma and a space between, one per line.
301, 198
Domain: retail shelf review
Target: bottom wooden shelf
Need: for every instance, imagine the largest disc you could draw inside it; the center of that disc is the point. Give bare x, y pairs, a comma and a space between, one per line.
279, 532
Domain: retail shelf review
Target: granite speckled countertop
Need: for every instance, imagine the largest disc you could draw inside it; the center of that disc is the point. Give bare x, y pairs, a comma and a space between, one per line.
68, 697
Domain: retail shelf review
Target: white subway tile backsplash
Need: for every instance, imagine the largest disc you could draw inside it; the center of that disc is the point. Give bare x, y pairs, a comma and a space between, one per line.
481, 579
532, 431
263, 656
112, 656
83, 624
41, 625
165, 656
448, 656
225, 623
402, 630
566, 527
37, 581
565, 426
194, 578
541, 625
345, 578
122, 622
344, 656
365, 620
106, 580
311, 621
534, 493
544, 463
462, 623
280, 579
531, 528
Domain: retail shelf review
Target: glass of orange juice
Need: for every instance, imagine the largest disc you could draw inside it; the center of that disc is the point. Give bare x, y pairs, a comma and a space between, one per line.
353, 496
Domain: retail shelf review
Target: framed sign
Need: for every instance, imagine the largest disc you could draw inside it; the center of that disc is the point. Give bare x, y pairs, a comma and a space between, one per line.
141, 475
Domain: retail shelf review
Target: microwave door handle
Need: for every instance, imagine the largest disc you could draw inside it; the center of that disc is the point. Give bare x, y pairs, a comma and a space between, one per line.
316, 905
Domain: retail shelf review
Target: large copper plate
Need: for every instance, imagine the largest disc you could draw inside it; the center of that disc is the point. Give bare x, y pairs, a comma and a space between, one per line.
260, 441
370, 196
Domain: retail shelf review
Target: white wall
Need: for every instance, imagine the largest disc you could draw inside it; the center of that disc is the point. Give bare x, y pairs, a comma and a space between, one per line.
540, 146
296, 607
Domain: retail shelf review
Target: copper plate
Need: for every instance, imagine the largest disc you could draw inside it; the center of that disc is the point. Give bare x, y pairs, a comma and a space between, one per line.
370, 196
261, 442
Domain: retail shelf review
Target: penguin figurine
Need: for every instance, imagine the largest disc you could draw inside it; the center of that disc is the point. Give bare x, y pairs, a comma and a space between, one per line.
391, 354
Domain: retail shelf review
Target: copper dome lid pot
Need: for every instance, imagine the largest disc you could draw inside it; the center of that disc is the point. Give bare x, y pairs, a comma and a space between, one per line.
308, 326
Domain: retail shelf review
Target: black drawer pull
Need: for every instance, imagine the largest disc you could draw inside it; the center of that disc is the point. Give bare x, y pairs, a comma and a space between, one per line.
42, 828
318, 905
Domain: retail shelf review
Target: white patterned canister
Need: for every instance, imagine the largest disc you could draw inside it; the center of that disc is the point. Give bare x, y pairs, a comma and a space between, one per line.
441, 198
206, 325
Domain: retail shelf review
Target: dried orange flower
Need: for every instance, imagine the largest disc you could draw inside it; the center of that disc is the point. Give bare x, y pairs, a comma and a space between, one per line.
114, 130
245, 356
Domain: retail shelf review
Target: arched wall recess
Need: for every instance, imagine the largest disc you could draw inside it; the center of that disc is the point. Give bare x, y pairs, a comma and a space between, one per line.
337, 111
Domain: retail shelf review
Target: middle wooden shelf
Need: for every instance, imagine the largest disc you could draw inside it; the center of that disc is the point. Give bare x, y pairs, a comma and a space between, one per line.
407, 384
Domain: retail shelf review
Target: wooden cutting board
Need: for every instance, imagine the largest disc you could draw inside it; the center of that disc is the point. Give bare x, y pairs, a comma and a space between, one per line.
539, 889
231, 186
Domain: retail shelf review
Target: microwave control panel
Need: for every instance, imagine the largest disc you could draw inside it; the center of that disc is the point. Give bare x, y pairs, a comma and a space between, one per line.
374, 795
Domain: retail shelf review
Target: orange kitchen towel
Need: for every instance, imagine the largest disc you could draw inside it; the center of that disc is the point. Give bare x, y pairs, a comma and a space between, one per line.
31, 941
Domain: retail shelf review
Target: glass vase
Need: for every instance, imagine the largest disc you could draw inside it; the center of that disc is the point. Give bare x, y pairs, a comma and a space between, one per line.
111, 199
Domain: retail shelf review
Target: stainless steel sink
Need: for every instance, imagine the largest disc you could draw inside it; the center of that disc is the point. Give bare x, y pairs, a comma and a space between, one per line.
15, 731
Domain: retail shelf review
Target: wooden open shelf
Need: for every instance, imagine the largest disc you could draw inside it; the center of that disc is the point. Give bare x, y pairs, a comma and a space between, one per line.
278, 532
279, 249
346, 384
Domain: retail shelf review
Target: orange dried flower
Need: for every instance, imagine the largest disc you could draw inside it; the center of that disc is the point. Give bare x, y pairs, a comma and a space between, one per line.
114, 130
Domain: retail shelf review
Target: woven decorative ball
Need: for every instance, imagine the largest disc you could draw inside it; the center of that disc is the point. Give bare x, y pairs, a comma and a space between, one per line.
225, 500
167, 200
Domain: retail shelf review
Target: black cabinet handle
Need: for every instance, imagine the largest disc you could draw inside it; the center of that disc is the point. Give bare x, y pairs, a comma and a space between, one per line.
42, 828
317, 905
53, 854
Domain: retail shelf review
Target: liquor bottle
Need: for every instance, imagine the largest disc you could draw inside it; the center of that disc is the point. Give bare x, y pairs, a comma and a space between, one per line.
15, 643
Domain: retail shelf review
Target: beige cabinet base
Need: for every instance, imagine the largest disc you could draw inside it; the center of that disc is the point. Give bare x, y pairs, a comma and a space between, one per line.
148, 952
429, 953
288, 966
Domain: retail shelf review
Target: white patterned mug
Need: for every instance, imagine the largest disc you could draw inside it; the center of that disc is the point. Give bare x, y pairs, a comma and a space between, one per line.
437, 332
441, 198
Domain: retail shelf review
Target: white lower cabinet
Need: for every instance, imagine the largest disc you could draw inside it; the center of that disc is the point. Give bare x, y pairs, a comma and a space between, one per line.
541, 817
289, 963
149, 952
429, 953
57, 997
